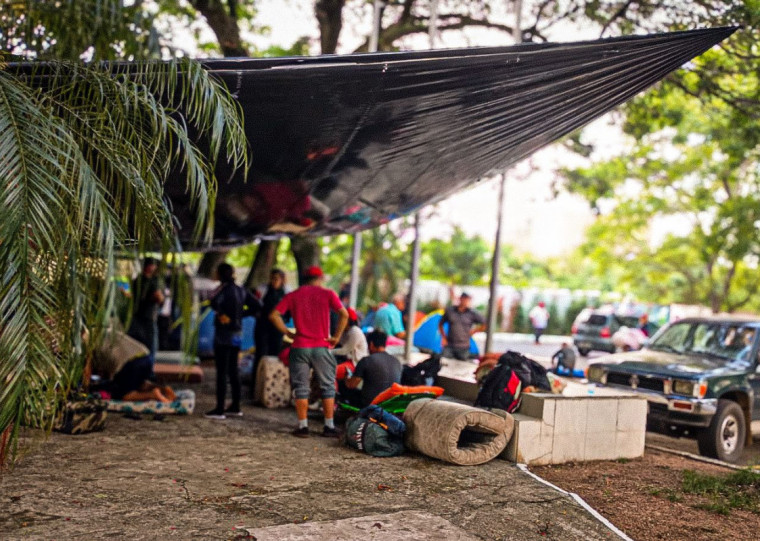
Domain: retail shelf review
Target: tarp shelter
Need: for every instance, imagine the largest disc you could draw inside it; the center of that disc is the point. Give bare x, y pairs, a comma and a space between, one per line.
427, 337
345, 143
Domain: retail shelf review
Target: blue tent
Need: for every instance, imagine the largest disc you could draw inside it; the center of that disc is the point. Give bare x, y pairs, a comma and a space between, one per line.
428, 338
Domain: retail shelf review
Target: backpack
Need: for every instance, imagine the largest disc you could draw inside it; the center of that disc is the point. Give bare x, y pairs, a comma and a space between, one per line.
529, 371
424, 373
376, 432
502, 389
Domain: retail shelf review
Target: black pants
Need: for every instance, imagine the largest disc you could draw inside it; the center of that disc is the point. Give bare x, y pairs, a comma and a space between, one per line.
226, 358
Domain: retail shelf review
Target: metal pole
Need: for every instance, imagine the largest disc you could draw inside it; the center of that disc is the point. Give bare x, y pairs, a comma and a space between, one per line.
411, 308
353, 295
517, 31
495, 264
374, 38
433, 27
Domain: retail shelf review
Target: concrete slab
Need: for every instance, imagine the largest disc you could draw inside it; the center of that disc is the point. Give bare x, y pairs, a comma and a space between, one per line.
400, 526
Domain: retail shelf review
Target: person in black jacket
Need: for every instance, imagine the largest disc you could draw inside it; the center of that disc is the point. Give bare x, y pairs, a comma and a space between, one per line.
231, 303
267, 338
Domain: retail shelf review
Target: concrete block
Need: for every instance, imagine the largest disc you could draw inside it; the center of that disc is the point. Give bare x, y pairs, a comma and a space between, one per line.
539, 405
570, 416
532, 405
527, 434
600, 446
568, 448
602, 415
629, 444
632, 414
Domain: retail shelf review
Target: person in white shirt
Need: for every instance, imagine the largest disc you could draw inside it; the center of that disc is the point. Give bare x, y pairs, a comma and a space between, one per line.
539, 319
354, 344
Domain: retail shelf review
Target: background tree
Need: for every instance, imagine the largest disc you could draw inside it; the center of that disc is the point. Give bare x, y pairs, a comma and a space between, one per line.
461, 260
694, 159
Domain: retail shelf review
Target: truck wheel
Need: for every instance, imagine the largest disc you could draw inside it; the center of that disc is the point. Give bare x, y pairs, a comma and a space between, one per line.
724, 438
583, 351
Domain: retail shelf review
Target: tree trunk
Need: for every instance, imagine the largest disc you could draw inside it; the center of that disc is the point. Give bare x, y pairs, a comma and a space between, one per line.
222, 20
330, 17
210, 261
262, 265
306, 253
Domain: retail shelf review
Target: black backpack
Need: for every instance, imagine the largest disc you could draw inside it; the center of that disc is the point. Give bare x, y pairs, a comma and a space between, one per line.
424, 373
502, 389
529, 371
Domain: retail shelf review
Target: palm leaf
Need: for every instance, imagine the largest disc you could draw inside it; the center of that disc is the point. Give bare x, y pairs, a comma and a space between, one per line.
84, 154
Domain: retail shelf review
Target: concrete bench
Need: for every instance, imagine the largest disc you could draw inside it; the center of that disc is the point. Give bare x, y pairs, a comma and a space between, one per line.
554, 429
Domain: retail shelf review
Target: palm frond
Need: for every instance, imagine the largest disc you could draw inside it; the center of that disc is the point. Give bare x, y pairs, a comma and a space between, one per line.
85, 151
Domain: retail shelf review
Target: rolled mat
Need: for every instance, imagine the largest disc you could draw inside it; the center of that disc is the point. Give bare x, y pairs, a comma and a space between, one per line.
456, 433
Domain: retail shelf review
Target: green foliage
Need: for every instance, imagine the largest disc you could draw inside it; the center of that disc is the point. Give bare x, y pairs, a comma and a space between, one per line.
71, 29
461, 259
738, 490
694, 161
86, 151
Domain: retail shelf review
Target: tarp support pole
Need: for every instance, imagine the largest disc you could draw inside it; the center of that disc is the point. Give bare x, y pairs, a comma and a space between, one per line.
433, 25
411, 307
356, 253
495, 265
374, 38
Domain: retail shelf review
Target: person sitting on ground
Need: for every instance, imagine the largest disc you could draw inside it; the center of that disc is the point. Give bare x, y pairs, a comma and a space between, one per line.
355, 348
564, 358
310, 307
354, 343
463, 323
377, 372
389, 319
126, 363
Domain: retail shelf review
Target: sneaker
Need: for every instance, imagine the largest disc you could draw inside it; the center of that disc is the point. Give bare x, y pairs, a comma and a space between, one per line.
229, 412
301, 432
215, 414
329, 432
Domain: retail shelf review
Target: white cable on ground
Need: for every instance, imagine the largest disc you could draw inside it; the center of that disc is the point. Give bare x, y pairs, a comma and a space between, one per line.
580, 501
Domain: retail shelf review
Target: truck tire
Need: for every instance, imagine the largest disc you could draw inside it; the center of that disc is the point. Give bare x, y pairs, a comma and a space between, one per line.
724, 438
583, 351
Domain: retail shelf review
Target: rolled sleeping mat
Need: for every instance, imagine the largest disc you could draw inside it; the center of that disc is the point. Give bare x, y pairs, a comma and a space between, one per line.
456, 433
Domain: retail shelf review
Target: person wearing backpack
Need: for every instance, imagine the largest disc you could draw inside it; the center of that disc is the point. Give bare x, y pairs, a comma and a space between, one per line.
231, 303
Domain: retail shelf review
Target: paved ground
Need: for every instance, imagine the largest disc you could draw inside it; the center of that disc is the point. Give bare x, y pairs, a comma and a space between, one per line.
193, 478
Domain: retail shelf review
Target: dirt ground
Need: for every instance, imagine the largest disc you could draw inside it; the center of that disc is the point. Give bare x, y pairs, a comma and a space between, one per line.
194, 478
637, 497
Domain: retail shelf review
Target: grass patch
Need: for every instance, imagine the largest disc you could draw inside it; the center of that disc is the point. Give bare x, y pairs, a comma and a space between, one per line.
738, 490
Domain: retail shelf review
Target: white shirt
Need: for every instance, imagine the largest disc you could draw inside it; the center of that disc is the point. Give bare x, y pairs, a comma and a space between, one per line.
539, 317
354, 345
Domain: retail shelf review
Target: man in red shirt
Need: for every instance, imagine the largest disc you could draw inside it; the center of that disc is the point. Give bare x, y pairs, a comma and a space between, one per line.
310, 306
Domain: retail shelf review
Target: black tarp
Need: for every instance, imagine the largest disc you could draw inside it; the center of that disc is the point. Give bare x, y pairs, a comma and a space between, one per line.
343, 143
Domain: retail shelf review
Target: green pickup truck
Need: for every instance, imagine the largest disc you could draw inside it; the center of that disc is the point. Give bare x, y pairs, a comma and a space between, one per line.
701, 379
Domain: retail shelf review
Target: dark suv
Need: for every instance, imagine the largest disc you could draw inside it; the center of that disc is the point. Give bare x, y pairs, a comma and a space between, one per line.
595, 331
701, 379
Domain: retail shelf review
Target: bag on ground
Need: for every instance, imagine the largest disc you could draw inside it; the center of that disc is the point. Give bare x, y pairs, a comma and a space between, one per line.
502, 389
424, 373
378, 433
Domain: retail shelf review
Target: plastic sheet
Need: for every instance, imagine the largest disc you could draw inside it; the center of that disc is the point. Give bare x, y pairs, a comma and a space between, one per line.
344, 143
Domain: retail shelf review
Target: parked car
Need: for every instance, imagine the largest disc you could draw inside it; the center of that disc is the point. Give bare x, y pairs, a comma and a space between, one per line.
595, 332
700, 377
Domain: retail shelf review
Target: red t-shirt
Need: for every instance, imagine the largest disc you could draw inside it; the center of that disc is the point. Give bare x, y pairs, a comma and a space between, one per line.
310, 308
